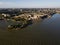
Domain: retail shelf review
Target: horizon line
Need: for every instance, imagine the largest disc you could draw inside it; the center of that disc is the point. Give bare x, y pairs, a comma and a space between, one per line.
32, 7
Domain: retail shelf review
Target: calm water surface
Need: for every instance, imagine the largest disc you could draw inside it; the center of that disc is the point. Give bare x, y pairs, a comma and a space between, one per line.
46, 32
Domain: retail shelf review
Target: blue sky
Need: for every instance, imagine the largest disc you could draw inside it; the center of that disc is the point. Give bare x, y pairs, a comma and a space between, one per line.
29, 3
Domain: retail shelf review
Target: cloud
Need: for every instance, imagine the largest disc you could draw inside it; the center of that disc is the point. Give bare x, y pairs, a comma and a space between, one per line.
1, 3
7, 4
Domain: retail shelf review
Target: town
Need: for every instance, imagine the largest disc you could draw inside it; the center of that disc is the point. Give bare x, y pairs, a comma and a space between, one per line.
19, 18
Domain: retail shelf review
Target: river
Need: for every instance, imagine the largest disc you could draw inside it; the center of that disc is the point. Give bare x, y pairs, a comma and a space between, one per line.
45, 32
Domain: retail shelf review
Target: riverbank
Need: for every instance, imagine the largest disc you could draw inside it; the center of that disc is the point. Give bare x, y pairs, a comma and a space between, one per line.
18, 23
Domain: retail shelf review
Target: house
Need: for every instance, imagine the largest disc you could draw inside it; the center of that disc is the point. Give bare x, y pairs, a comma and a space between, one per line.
5, 15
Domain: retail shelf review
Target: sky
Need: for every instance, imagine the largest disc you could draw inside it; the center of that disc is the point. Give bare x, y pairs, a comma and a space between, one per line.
29, 3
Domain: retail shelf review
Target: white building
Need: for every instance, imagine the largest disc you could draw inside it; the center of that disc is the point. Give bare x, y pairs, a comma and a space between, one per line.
5, 15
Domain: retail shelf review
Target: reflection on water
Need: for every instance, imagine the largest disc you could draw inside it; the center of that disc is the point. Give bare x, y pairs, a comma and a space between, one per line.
46, 32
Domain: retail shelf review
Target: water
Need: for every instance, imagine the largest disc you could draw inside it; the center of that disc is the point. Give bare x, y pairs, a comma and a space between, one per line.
45, 32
